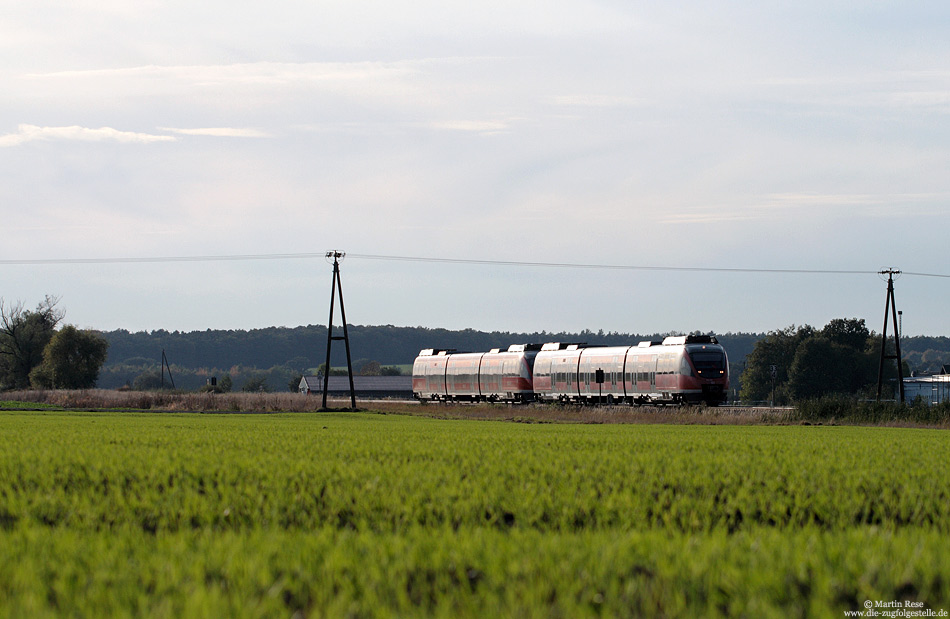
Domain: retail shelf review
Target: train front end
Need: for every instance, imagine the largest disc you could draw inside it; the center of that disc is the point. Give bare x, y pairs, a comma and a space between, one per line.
708, 378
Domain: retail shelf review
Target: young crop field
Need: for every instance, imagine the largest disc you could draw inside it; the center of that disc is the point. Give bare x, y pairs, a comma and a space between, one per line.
373, 515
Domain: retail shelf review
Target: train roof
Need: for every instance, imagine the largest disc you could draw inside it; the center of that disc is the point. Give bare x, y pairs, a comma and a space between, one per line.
673, 340
679, 340
524, 347
434, 352
564, 345
516, 348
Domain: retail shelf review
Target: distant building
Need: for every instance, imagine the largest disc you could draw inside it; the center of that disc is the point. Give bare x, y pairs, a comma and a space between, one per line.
931, 389
365, 386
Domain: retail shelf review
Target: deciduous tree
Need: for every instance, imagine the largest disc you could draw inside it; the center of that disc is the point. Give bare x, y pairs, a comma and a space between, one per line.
838, 359
775, 349
71, 360
24, 335
850, 332
256, 383
147, 380
370, 368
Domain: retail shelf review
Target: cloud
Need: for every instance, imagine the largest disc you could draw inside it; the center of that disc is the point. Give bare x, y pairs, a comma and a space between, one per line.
804, 199
30, 133
257, 85
220, 132
596, 101
249, 73
776, 206
706, 217
479, 126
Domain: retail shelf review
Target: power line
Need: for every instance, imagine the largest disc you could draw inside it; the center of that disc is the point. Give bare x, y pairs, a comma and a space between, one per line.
925, 274
616, 267
154, 259
435, 260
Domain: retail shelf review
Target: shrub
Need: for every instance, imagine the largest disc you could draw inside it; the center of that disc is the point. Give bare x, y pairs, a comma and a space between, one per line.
853, 411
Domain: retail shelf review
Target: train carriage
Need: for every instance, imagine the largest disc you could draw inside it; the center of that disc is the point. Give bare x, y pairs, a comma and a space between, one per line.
608, 360
705, 375
555, 371
678, 370
461, 375
687, 369
428, 373
495, 376
640, 372
507, 375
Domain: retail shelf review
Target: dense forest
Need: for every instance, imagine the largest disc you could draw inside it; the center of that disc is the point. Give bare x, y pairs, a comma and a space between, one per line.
273, 358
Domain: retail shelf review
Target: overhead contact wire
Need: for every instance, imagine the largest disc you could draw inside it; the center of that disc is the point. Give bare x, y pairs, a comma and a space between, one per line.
435, 260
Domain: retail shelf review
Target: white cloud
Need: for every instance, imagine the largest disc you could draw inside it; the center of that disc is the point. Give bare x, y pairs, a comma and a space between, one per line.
254, 88
846, 200
706, 216
220, 132
248, 73
818, 206
592, 100
478, 126
922, 99
29, 133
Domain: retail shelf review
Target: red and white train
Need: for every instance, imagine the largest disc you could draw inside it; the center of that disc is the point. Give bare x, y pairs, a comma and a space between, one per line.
679, 370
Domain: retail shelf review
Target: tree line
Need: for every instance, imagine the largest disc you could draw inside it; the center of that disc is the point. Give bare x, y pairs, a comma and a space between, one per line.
304, 347
841, 357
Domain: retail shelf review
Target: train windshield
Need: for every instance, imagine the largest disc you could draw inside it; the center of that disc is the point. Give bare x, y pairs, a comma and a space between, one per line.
705, 359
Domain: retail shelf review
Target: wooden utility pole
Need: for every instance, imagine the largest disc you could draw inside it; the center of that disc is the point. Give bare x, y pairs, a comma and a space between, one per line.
890, 307
337, 288
164, 366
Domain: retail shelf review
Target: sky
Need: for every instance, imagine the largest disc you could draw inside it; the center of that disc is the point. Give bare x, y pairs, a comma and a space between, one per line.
740, 166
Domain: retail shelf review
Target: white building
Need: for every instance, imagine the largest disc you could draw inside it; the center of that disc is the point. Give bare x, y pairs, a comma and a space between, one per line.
931, 389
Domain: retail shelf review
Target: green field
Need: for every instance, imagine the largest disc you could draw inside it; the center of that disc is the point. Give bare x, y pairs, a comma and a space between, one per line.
364, 515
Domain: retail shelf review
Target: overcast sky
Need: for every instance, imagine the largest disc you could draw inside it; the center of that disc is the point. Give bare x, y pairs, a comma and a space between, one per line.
807, 135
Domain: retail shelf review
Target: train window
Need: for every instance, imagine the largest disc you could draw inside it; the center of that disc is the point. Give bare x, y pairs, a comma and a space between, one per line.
708, 359
685, 370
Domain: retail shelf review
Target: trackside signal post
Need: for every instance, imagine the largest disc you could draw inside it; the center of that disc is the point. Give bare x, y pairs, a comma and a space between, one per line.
890, 307
337, 287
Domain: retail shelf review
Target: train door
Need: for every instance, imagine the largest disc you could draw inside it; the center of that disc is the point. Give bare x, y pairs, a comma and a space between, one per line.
616, 376
654, 362
629, 376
